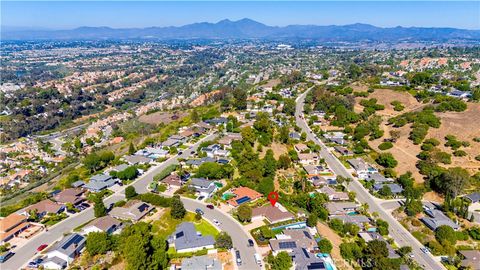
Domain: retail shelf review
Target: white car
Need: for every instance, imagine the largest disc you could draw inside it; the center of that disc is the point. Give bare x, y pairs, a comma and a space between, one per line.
216, 222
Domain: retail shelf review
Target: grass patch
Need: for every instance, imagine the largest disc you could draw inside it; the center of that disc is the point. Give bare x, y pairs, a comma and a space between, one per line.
166, 225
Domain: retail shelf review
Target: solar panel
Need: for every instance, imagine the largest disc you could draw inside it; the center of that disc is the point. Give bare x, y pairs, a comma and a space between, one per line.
285, 245
76, 238
180, 234
307, 234
243, 200
316, 266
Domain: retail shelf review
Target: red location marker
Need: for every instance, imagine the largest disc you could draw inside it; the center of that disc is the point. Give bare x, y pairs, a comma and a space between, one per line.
273, 197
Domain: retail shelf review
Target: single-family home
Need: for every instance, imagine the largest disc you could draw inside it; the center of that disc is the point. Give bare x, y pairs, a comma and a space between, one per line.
341, 208
201, 262
294, 135
335, 137
100, 182
65, 251
43, 208
172, 180
437, 218
361, 168
135, 159
187, 239
70, 195
301, 148
11, 226
471, 259
334, 195
273, 214
106, 224
197, 162
359, 220
308, 158
243, 195
377, 178
343, 150
473, 197
291, 239
396, 189
304, 259
203, 187
133, 211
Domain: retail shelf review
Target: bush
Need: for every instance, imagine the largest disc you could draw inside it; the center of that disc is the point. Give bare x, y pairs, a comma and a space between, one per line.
445, 234
166, 172
155, 199
459, 153
385, 146
223, 240
130, 192
324, 245
386, 160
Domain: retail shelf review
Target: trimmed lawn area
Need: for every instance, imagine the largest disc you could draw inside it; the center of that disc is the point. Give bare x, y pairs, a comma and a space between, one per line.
166, 225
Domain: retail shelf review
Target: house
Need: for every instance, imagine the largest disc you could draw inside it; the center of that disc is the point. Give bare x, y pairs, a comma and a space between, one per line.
217, 121
335, 137
155, 153
134, 212
272, 214
396, 189
100, 182
119, 168
65, 251
291, 239
187, 239
300, 148
308, 158
11, 226
78, 184
358, 220
43, 208
471, 259
203, 186
377, 178
201, 262
198, 162
134, 159
106, 224
294, 135
370, 236
304, 259
341, 208
173, 180
70, 195
473, 197
361, 168
243, 195
343, 151
437, 218
334, 195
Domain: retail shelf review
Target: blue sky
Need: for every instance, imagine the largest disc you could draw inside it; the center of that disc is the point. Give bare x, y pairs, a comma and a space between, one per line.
70, 14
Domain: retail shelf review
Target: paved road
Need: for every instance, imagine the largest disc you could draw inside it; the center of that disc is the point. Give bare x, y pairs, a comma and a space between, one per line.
401, 236
27, 252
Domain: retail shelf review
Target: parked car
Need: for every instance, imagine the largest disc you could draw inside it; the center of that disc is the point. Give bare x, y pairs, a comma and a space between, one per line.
201, 198
216, 222
179, 153
35, 263
258, 259
41, 247
238, 258
425, 250
198, 210
250, 243
192, 152
210, 206
5, 256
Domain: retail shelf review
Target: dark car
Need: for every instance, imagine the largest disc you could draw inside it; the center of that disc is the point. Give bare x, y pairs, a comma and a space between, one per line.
192, 152
239, 259
198, 210
210, 206
250, 242
5, 256
179, 153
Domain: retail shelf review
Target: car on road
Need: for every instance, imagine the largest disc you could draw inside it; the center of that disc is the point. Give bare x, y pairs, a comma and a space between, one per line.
250, 242
210, 206
192, 152
41, 247
200, 198
216, 222
5, 256
35, 263
411, 255
238, 258
258, 259
198, 210
425, 250
179, 153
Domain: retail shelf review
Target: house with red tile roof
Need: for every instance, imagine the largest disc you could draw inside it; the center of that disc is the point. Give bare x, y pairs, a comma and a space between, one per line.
243, 195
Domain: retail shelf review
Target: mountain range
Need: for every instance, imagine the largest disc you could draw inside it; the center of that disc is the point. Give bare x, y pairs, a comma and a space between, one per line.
249, 29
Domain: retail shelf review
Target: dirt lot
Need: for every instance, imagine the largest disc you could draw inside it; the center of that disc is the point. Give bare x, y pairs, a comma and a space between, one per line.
277, 148
272, 83
161, 117
465, 126
385, 97
328, 233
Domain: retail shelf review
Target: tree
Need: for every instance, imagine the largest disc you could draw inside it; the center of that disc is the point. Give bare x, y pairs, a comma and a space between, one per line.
382, 227
244, 213
159, 258
336, 225
452, 181
248, 135
351, 228
130, 192
324, 245
135, 250
128, 174
289, 106
99, 209
350, 251
282, 261
177, 210
284, 161
98, 243
269, 164
386, 160
131, 149
385, 191
223, 240
91, 162
445, 233
376, 249
312, 220
404, 251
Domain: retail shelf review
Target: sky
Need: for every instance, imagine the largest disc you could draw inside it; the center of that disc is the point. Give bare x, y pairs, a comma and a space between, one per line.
127, 14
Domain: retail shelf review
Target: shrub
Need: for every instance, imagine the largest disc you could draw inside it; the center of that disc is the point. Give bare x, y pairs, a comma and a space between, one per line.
386, 160
459, 153
385, 146
325, 246
445, 234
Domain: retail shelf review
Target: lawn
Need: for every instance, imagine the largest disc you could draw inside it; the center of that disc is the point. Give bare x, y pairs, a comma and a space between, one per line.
166, 225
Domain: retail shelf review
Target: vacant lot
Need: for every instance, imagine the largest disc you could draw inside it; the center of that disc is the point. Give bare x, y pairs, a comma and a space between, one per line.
161, 117
386, 96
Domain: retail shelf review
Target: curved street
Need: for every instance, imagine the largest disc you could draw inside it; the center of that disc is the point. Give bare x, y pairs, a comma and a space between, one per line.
401, 236
24, 254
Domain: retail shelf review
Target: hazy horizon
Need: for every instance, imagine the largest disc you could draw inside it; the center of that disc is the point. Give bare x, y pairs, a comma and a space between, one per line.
124, 14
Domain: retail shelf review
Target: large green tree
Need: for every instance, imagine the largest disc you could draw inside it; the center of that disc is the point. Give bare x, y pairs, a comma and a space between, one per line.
177, 210
282, 261
98, 243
